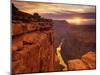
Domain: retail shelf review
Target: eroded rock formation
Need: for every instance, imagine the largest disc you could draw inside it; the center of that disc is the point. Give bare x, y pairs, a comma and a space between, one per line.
77, 64
32, 43
32, 52
88, 61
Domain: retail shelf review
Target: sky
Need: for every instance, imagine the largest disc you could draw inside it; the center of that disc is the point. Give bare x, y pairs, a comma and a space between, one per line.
59, 11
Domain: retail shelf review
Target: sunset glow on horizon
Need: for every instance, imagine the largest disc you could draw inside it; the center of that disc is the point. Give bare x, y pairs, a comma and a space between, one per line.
76, 20
74, 14
79, 21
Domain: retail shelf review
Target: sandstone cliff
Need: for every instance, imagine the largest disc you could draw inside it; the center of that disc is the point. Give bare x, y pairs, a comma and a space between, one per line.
32, 49
32, 52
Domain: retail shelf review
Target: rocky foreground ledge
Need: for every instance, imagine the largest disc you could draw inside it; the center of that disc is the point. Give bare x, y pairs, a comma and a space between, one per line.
87, 61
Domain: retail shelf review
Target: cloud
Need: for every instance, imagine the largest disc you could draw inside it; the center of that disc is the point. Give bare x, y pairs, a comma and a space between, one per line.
68, 16
53, 10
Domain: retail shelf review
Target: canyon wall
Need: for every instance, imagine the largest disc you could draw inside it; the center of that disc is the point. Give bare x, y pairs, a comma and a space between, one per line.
32, 43
32, 52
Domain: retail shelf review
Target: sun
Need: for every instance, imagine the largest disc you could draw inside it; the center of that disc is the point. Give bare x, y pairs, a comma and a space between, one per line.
76, 20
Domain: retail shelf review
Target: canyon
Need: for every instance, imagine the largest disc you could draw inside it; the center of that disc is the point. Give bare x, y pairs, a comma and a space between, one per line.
46, 45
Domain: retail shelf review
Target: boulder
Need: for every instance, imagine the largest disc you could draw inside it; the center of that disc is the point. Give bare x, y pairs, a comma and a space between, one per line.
90, 59
77, 64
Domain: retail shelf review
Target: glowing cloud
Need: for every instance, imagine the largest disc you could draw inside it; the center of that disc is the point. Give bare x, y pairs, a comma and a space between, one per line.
52, 7
80, 21
57, 11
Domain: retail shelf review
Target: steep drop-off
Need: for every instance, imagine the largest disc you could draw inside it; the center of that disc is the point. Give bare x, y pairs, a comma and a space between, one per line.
32, 43
32, 52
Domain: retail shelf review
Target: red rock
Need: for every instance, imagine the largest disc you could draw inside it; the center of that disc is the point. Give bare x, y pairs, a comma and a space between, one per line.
37, 57
90, 59
76, 64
